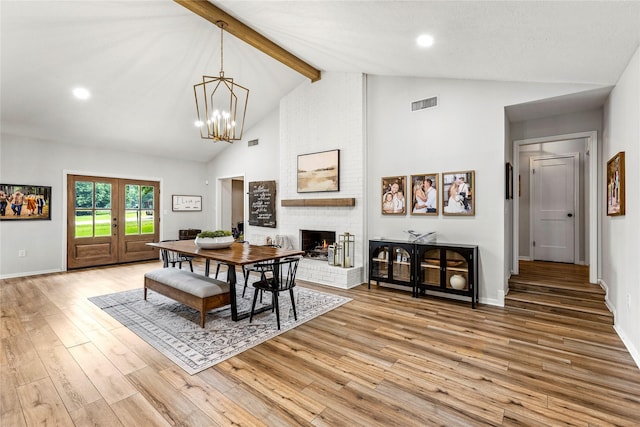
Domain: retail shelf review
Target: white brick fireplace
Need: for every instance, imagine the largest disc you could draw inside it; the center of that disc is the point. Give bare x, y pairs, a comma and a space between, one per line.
322, 116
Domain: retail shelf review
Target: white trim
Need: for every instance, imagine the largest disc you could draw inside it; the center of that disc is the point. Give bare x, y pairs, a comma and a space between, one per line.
576, 194
29, 273
524, 258
594, 212
628, 343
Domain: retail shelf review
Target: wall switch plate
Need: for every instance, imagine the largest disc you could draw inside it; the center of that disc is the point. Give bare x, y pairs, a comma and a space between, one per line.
22, 252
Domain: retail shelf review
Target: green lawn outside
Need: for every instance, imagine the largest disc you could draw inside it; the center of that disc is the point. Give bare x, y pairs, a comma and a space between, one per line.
84, 224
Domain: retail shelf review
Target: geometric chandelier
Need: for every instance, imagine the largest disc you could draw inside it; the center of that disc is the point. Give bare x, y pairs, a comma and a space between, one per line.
221, 104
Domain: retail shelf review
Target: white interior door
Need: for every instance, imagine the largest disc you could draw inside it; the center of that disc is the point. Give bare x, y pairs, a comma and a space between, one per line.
554, 190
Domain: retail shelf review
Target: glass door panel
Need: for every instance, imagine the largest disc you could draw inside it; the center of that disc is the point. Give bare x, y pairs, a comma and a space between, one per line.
380, 262
430, 267
457, 271
401, 264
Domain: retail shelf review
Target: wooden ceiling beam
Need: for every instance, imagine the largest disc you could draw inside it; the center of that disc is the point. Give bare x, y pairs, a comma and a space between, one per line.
214, 14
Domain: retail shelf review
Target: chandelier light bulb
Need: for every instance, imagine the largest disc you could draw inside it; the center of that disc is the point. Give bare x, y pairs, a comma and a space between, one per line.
81, 93
425, 40
199, 123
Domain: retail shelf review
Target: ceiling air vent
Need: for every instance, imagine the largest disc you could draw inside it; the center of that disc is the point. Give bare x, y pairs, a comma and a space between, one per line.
424, 103
253, 142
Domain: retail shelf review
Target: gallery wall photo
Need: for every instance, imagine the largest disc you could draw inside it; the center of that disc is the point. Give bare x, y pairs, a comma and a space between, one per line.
25, 202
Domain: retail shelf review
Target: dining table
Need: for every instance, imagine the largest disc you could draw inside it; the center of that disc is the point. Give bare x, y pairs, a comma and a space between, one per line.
236, 255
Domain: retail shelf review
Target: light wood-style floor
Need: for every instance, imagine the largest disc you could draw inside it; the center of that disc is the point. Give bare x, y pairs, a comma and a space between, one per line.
384, 359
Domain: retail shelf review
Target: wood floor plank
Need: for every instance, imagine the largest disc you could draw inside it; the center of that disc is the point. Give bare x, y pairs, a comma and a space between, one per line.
96, 414
119, 354
66, 330
42, 405
11, 413
22, 359
135, 410
222, 410
177, 409
112, 385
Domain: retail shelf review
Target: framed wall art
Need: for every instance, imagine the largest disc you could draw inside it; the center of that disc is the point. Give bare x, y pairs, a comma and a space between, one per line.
319, 172
28, 202
183, 203
615, 185
424, 194
508, 176
394, 199
458, 193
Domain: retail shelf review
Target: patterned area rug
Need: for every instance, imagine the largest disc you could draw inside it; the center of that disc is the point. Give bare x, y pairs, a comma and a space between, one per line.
173, 329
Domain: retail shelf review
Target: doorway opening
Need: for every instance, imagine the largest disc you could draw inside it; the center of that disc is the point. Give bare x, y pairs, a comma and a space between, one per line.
111, 220
231, 201
585, 214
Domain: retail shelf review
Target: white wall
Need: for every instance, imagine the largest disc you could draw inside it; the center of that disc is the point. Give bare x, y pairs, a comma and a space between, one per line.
465, 132
621, 234
28, 161
257, 163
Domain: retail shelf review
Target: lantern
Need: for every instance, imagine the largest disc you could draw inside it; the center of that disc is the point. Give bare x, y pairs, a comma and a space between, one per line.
348, 243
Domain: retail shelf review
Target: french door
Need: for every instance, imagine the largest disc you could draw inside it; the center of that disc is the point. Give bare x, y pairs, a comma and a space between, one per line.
110, 220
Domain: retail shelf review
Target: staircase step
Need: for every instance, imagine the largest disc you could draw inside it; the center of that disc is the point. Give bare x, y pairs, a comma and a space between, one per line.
562, 319
591, 292
587, 309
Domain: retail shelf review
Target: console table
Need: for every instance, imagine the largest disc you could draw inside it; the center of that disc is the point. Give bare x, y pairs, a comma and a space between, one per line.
445, 268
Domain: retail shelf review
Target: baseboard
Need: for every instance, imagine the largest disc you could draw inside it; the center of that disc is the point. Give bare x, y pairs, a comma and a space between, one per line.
29, 273
525, 258
633, 351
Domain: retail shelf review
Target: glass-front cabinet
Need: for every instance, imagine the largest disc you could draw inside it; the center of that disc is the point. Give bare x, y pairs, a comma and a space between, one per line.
435, 267
391, 262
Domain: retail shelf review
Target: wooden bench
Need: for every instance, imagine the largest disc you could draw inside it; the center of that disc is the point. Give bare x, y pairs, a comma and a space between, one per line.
194, 290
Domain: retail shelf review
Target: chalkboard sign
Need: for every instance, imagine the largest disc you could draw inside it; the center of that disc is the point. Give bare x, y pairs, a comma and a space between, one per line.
262, 203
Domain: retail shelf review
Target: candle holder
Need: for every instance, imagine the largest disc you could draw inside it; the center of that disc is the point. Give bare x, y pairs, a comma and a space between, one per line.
348, 243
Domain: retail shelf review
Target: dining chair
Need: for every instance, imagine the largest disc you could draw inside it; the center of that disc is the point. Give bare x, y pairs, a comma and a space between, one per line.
173, 257
259, 267
283, 278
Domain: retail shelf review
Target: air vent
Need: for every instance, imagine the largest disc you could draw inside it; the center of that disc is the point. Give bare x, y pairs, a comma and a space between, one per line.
424, 103
253, 142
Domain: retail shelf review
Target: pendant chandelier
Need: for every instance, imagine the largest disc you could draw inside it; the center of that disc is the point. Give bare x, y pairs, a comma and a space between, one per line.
221, 104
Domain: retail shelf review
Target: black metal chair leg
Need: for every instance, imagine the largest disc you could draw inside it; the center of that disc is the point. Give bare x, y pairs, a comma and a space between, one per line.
217, 270
275, 302
293, 304
253, 306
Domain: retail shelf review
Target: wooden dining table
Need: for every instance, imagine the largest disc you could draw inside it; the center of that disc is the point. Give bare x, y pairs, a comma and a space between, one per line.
238, 254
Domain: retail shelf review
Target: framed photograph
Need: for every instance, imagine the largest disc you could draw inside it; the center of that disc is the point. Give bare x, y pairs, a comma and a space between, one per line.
458, 193
28, 202
393, 195
319, 172
615, 185
424, 194
182, 203
508, 181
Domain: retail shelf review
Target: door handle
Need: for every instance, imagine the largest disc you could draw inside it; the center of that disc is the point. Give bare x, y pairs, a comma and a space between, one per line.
570, 215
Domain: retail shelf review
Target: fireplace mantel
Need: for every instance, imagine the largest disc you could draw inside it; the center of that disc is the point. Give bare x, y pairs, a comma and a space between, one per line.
347, 201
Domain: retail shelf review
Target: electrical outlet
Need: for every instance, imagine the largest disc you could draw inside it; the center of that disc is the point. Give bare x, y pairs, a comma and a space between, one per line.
22, 252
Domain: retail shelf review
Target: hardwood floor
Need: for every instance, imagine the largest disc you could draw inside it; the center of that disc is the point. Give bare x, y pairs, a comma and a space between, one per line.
383, 359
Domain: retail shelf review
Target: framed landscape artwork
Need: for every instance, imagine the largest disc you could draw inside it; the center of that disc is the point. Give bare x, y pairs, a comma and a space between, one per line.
615, 185
28, 202
424, 194
458, 193
394, 199
319, 172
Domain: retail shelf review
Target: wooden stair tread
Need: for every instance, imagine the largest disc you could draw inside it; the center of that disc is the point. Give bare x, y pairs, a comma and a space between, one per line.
563, 319
564, 302
567, 286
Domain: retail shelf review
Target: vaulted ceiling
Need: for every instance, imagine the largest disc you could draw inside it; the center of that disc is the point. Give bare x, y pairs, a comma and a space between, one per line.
140, 59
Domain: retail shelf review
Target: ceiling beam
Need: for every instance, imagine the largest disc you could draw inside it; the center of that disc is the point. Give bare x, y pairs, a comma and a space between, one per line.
214, 14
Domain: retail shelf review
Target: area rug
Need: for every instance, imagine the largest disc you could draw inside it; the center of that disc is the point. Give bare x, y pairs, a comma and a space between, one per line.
173, 328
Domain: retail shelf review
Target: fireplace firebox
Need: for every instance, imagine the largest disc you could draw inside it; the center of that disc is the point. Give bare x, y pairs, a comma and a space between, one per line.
315, 243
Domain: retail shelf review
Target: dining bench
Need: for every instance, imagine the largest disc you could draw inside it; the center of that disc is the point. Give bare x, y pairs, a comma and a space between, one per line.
191, 289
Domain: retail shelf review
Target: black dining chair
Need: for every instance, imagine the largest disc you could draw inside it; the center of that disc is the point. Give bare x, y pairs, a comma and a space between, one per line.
173, 257
259, 267
283, 278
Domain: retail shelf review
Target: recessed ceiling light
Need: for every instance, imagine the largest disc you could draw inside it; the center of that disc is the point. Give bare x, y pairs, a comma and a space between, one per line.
81, 93
425, 40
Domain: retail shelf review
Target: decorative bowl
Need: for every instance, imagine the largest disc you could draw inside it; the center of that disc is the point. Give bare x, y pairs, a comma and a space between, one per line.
458, 282
214, 242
